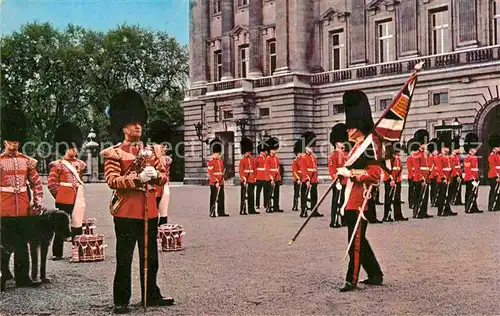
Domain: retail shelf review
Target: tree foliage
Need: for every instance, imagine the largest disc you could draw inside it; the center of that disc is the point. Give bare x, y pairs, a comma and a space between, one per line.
55, 75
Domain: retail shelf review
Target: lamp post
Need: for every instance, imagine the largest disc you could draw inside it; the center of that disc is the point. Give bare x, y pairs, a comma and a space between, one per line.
243, 126
92, 161
199, 133
457, 128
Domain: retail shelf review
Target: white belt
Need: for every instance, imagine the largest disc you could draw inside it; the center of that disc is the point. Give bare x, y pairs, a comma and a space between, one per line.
13, 189
396, 168
261, 169
273, 169
446, 169
458, 167
68, 184
474, 169
299, 171
424, 168
497, 167
249, 171
218, 173
311, 169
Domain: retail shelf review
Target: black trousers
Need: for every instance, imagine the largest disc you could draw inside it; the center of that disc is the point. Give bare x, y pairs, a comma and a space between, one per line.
470, 198
411, 193
433, 192
421, 200
360, 253
58, 243
371, 214
266, 185
213, 197
129, 232
338, 197
393, 201
250, 191
276, 196
492, 195
303, 196
296, 195
456, 191
14, 239
444, 201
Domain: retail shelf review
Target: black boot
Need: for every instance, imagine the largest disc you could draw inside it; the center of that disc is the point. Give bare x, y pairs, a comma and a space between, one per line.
303, 213
76, 231
348, 287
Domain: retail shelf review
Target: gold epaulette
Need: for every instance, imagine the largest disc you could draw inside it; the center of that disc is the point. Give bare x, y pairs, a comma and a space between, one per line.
111, 152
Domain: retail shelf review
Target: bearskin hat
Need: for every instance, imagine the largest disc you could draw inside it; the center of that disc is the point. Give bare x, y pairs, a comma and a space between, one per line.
413, 145
158, 132
358, 113
422, 135
246, 145
68, 135
494, 141
433, 145
471, 142
127, 107
216, 145
338, 134
273, 143
445, 141
308, 139
455, 144
297, 147
13, 124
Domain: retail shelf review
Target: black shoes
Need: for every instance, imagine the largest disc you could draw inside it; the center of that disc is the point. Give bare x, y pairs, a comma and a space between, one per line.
28, 283
169, 301
376, 280
303, 214
121, 309
223, 215
401, 219
317, 214
348, 287
335, 225
254, 212
387, 220
57, 258
278, 211
375, 221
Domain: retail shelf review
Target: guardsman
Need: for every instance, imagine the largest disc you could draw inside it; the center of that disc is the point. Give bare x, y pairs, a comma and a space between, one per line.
411, 187
444, 178
365, 173
456, 174
247, 178
309, 168
494, 173
16, 170
273, 163
338, 136
432, 149
392, 185
262, 175
296, 174
471, 174
132, 171
216, 179
159, 134
65, 182
423, 166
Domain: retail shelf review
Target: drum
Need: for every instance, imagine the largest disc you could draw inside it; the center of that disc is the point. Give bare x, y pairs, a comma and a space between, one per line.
88, 248
170, 237
88, 226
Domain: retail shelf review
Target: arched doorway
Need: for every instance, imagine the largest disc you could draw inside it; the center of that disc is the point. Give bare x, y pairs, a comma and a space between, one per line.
487, 124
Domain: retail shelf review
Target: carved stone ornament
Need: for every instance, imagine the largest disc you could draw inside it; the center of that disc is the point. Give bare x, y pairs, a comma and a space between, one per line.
331, 13
375, 5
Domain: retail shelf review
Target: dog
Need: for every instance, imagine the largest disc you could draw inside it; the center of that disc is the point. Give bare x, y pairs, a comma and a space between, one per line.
41, 231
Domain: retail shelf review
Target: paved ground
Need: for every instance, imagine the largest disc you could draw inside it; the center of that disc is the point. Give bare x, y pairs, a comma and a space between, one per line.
243, 265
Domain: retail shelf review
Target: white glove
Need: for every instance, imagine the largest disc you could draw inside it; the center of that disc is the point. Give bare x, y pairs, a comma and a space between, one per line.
144, 177
344, 172
338, 186
151, 172
475, 183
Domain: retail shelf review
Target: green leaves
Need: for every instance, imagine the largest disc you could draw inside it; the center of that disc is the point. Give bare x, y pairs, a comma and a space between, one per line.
55, 76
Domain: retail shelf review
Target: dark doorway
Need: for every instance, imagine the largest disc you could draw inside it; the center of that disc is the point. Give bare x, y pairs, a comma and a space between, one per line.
228, 152
491, 126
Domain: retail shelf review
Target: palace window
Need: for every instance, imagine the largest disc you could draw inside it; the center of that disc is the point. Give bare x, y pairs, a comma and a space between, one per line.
216, 4
218, 66
384, 104
440, 28
242, 2
227, 114
495, 23
244, 61
335, 108
263, 112
337, 45
271, 53
385, 47
440, 98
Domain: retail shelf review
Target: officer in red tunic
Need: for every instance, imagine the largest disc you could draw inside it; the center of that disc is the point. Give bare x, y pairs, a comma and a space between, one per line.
247, 178
65, 182
216, 179
309, 168
434, 153
364, 173
262, 175
338, 136
159, 135
412, 153
296, 174
392, 185
494, 173
133, 171
444, 178
16, 170
456, 174
422, 167
471, 174
274, 165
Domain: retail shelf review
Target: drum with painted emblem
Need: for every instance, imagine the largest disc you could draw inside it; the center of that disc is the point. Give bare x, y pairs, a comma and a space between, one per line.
88, 226
170, 237
88, 248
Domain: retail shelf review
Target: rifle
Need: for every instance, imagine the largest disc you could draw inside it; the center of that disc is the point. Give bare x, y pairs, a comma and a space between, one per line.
338, 206
497, 193
472, 197
392, 194
420, 200
459, 182
243, 210
270, 204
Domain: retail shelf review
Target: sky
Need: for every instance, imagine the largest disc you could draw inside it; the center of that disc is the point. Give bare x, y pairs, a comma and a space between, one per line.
171, 16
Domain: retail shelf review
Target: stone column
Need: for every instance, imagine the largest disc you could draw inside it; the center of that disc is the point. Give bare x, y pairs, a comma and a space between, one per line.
282, 34
301, 27
358, 32
255, 21
198, 33
227, 15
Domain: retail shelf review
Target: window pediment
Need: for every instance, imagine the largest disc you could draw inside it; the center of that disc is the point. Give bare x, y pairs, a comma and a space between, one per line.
376, 5
331, 13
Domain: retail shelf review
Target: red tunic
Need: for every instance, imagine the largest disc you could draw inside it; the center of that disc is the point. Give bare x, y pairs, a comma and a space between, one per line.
494, 165
433, 174
62, 183
165, 162
129, 195
216, 171
273, 164
409, 165
247, 169
471, 168
296, 169
309, 168
396, 172
456, 170
16, 170
261, 168
337, 160
421, 167
443, 168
